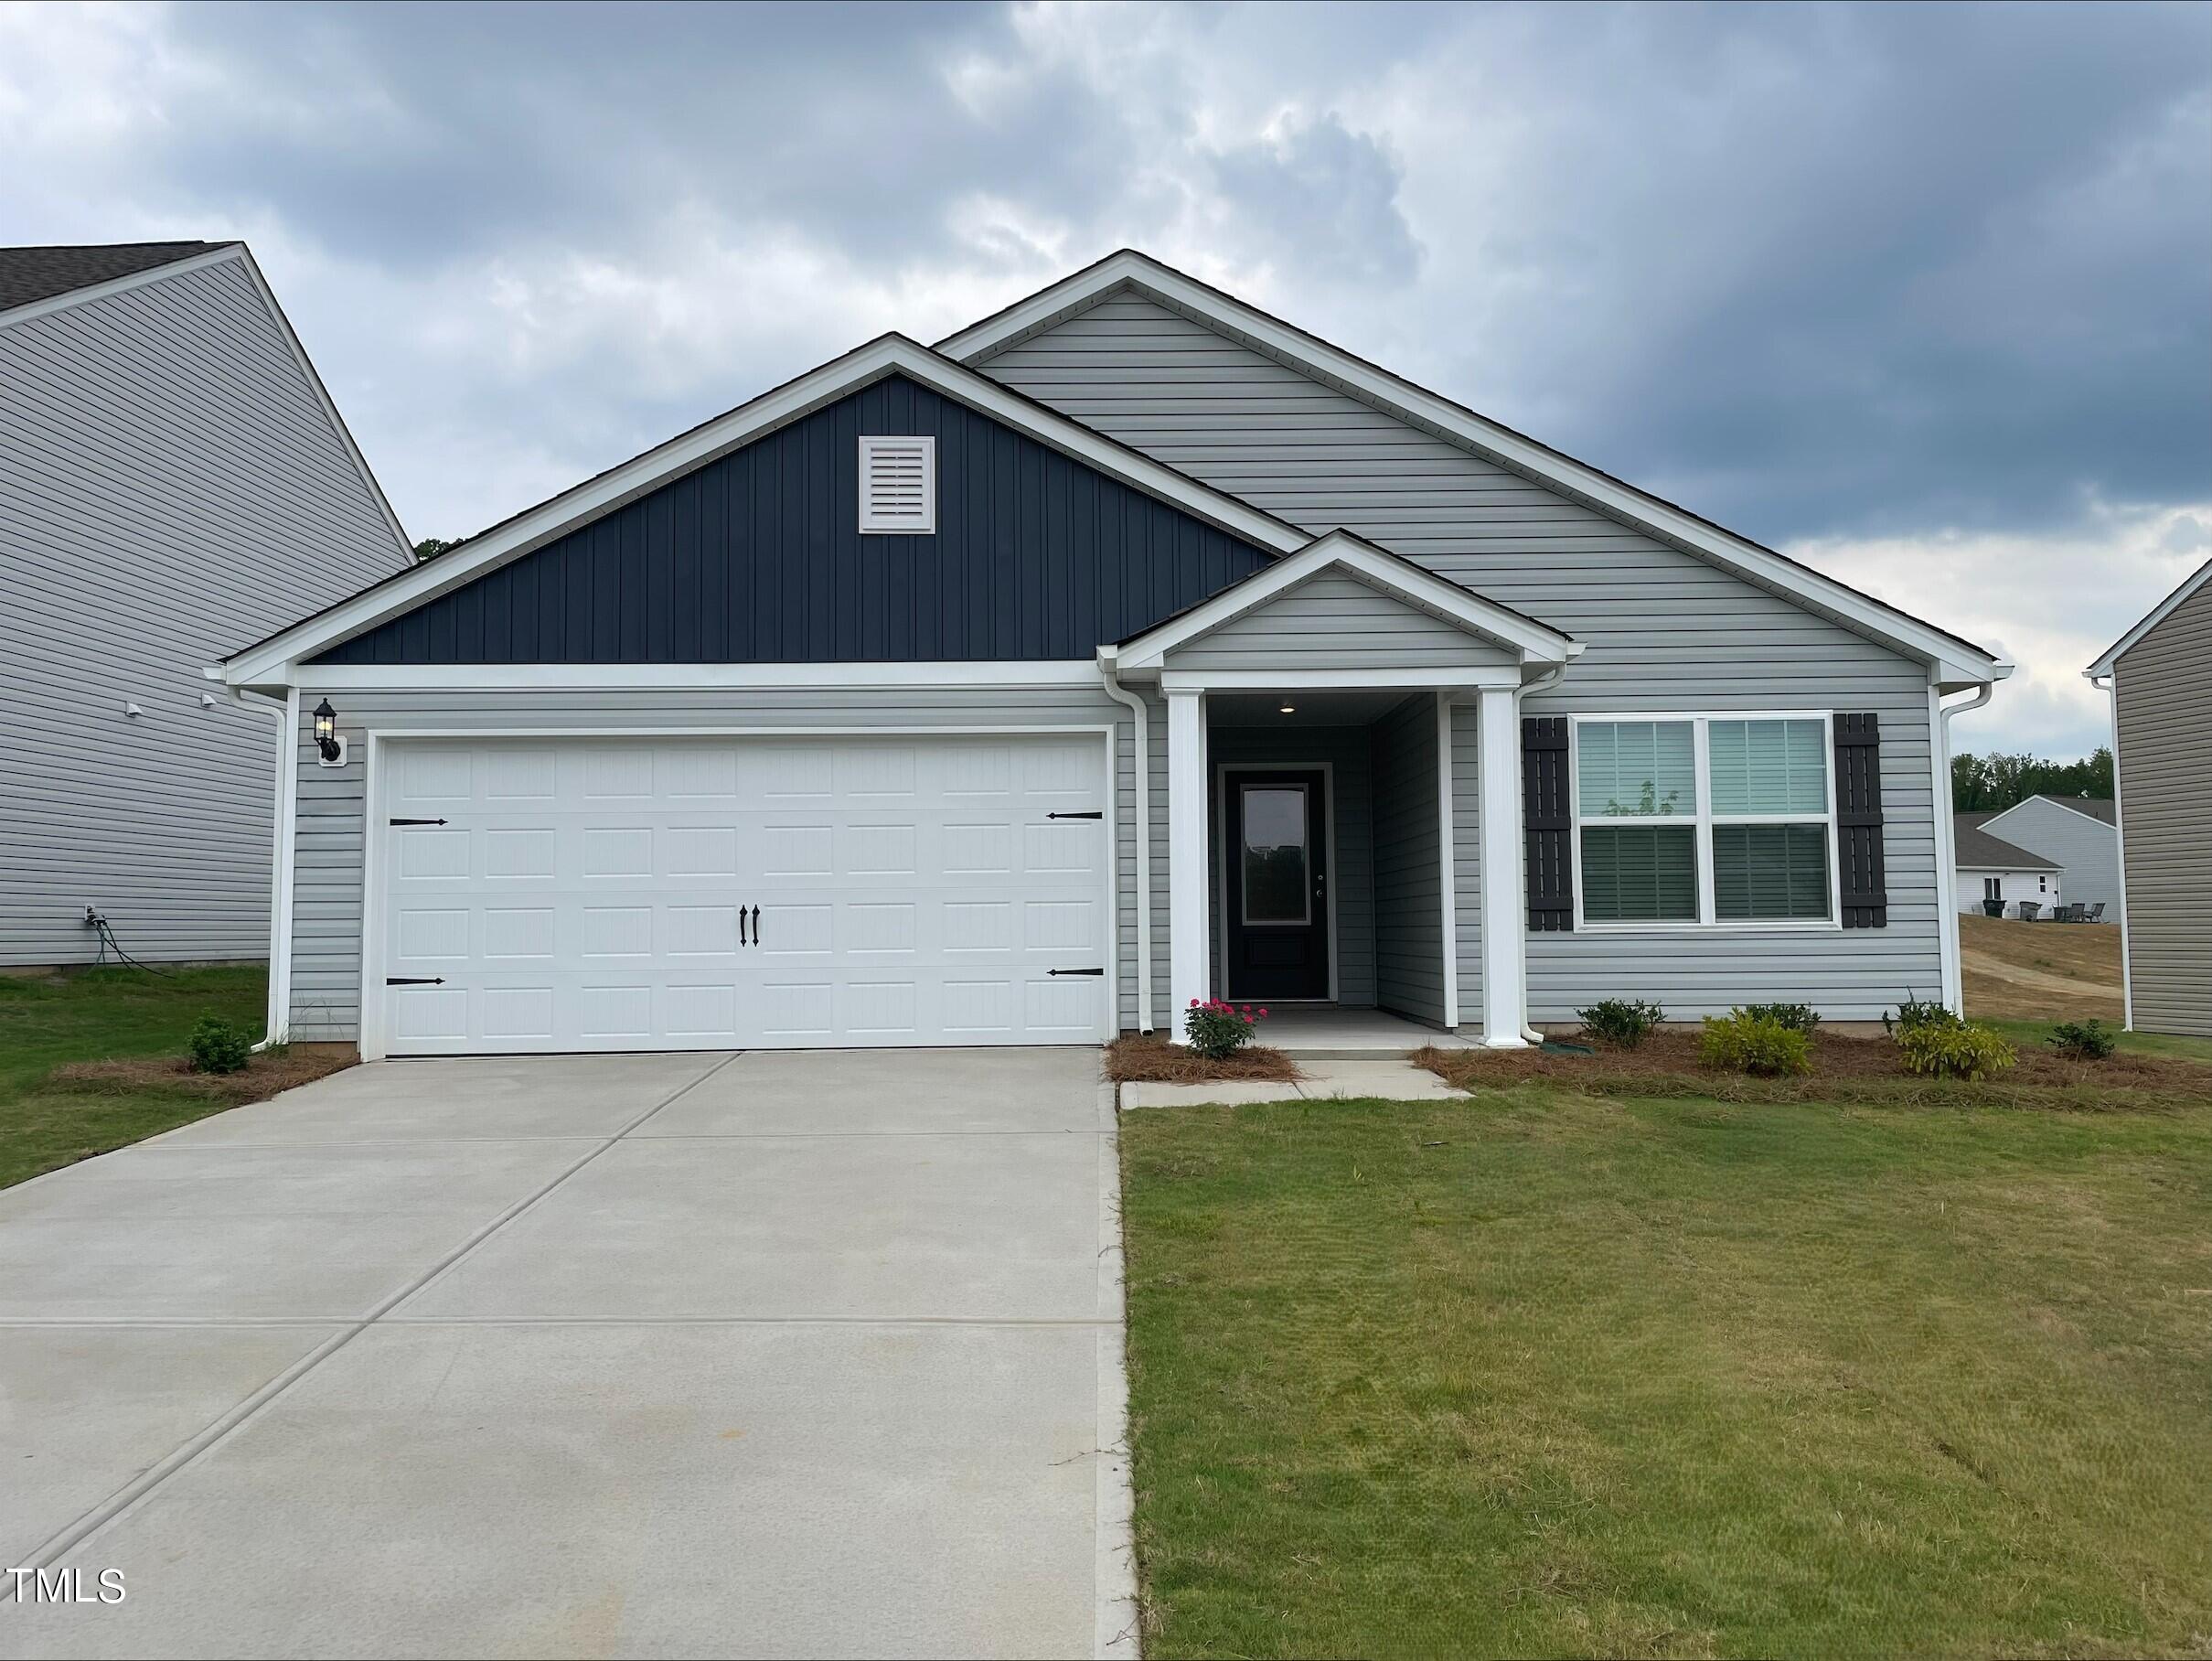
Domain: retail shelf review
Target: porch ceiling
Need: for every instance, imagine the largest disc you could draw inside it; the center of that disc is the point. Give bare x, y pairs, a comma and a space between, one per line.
1309, 708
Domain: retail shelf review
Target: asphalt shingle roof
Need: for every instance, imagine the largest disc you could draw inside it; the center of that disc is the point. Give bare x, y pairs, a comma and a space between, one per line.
1979, 851
39, 273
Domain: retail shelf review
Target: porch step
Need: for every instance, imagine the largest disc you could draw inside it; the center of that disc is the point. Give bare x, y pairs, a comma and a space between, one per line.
1353, 1034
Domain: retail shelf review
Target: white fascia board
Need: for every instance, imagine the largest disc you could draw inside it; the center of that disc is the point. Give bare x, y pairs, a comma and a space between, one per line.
1763, 566
116, 285
690, 677
1295, 680
2158, 614
274, 662
1408, 582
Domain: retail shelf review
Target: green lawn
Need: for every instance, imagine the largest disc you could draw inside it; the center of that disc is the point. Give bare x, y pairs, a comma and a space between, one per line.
1540, 1373
93, 1015
2024, 1034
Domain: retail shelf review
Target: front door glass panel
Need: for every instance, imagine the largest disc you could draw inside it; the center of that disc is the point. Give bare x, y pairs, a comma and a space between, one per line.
1278, 888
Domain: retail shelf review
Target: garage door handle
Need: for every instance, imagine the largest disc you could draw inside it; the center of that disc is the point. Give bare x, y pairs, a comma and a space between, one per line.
757, 924
1074, 971
741, 927
414, 980
1095, 813
418, 822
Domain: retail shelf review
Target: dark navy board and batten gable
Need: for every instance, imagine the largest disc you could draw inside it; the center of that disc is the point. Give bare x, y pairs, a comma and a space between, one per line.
757, 557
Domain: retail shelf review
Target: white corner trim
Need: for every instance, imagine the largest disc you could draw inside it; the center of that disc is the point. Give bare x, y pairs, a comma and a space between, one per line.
2157, 614
1401, 580
1625, 502
2120, 847
1504, 912
1447, 880
271, 660
1190, 953
1014, 674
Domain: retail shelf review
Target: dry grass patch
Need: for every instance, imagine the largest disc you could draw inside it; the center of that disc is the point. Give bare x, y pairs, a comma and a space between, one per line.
264, 1076
1147, 1058
1844, 1069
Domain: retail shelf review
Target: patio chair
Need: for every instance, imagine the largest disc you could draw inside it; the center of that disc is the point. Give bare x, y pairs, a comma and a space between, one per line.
2096, 913
2028, 908
2071, 914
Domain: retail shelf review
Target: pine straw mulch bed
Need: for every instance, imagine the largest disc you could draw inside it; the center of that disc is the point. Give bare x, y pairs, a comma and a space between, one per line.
1846, 1070
264, 1076
1139, 1059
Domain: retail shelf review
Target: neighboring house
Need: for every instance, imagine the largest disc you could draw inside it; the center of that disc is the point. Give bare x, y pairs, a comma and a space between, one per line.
2079, 833
1130, 646
2160, 675
1991, 868
173, 478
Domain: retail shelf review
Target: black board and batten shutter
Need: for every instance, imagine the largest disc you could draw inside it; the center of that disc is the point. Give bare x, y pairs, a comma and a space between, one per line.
1858, 821
1547, 824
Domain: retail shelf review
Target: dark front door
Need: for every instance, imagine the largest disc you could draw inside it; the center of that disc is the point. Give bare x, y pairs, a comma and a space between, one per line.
1276, 935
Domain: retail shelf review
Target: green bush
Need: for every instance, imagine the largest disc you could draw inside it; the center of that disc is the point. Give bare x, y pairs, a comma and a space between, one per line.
219, 1048
1959, 1050
1217, 1029
1743, 1042
1617, 1020
2089, 1040
1920, 1011
1797, 1017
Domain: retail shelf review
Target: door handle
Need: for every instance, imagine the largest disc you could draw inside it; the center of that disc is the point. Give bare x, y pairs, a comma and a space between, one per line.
741, 927
756, 926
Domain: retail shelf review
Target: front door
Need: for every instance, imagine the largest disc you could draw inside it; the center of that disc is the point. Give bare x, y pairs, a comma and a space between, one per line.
1276, 933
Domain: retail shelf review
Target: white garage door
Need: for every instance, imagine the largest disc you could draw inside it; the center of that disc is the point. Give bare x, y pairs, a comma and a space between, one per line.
716, 894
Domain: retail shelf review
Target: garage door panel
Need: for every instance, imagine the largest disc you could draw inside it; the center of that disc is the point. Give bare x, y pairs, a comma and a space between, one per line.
602, 895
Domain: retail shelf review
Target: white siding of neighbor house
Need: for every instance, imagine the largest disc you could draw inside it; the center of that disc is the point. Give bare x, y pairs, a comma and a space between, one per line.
171, 489
1665, 629
2036, 887
326, 907
2163, 697
2086, 849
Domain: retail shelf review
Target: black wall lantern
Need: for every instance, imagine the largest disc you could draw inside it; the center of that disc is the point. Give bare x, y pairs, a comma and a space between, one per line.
327, 737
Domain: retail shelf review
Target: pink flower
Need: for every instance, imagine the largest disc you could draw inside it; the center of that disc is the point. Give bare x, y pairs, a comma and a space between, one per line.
1263, 1014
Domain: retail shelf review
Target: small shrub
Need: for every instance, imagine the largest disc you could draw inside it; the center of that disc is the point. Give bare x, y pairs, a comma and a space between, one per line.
1959, 1050
1797, 1017
1217, 1029
1619, 1021
219, 1048
1744, 1041
2089, 1040
1920, 1011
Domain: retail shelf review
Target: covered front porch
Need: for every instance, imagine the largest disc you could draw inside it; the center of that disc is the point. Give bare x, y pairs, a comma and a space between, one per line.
1343, 769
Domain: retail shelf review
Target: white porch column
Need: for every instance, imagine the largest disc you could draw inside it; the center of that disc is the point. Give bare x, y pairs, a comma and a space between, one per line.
1505, 883
1189, 950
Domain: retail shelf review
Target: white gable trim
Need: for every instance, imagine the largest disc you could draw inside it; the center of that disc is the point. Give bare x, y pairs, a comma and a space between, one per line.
2055, 801
1959, 662
272, 661
1534, 641
116, 285
2159, 612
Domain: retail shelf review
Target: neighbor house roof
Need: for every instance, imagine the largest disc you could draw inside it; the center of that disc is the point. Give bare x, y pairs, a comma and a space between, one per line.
1979, 851
30, 274
2158, 614
1958, 661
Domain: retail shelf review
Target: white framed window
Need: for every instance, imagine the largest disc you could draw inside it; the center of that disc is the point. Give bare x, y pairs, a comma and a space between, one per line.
1704, 820
898, 485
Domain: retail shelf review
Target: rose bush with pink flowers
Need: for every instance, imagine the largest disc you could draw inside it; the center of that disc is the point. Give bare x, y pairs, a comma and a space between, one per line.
1218, 1030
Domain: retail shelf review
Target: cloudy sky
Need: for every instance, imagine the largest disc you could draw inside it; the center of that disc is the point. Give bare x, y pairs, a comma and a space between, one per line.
1923, 296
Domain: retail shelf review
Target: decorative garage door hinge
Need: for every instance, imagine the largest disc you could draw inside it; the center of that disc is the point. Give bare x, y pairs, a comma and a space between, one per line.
418, 822
1074, 971
414, 980
1094, 813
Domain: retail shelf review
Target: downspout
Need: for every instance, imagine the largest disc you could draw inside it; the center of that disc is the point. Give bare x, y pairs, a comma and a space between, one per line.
277, 1018
2109, 684
1947, 879
1143, 761
1550, 678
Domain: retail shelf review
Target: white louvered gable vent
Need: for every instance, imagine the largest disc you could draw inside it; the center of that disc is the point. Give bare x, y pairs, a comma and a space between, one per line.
898, 485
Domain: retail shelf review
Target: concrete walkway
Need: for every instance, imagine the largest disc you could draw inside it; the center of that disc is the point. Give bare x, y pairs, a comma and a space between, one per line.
764, 1354
1385, 1080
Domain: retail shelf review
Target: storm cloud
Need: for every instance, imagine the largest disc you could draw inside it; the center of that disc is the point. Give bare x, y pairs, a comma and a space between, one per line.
1921, 293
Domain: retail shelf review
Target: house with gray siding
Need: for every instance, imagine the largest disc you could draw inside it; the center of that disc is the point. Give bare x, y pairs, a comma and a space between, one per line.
173, 478
1127, 648
2080, 834
2159, 675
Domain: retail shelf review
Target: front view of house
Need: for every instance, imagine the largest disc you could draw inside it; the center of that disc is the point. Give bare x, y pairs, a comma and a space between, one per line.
1128, 647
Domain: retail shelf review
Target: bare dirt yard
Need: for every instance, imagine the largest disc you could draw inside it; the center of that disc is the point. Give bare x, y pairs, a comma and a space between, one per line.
2040, 971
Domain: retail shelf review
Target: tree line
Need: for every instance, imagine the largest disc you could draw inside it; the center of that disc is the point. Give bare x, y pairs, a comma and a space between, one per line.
1979, 783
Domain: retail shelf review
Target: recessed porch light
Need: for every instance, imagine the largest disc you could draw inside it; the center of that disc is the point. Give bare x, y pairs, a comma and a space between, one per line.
1290, 708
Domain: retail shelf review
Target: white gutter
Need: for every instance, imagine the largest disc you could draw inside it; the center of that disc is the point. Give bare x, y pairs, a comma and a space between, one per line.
286, 709
1121, 694
1946, 845
1550, 678
2108, 683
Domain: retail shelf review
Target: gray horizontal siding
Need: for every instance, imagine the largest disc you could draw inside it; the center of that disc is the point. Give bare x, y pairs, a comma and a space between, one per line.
171, 489
1333, 620
1345, 751
2087, 850
328, 898
1662, 629
2165, 696
1408, 863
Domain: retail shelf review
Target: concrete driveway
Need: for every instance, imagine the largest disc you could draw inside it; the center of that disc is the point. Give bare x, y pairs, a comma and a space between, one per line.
754, 1354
